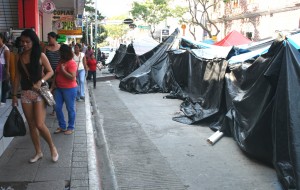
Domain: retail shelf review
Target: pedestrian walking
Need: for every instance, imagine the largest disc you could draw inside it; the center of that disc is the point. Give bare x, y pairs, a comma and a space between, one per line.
53, 54
103, 59
65, 90
79, 58
92, 64
83, 47
4, 70
33, 69
89, 52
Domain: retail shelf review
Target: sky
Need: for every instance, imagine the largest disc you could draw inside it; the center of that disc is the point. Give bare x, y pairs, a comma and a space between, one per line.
111, 8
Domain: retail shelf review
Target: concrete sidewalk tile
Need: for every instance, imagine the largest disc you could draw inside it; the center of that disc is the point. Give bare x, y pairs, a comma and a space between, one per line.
71, 168
79, 183
78, 164
53, 174
51, 185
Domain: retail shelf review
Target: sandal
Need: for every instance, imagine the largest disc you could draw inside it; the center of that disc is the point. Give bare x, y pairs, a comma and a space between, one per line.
59, 130
69, 132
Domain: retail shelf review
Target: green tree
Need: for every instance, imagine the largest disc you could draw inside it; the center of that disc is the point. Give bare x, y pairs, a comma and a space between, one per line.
117, 31
90, 18
198, 11
152, 12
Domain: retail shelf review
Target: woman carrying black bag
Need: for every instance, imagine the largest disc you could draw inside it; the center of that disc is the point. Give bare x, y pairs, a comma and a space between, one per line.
33, 105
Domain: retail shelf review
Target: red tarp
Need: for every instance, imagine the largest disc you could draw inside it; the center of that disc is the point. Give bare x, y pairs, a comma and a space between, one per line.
234, 38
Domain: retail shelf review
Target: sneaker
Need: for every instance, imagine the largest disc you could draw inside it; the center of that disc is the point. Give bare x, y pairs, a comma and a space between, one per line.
82, 97
79, 100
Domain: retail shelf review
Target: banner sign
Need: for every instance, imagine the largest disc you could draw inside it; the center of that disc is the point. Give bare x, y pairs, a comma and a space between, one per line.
63, 15
70, 32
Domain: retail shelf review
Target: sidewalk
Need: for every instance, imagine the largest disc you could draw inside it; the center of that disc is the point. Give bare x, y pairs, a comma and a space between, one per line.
75, 168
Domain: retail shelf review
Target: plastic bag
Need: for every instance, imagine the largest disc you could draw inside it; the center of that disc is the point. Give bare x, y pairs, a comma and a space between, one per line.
14, 125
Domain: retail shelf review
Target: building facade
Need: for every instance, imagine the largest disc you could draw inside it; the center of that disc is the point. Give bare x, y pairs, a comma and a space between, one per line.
254, 18
61, 16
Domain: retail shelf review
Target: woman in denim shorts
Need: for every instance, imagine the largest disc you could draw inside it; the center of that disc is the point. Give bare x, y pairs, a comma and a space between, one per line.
38, 70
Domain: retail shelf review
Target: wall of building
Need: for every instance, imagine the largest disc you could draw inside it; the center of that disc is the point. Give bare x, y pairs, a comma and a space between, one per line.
47, 25
8, 16
261, 18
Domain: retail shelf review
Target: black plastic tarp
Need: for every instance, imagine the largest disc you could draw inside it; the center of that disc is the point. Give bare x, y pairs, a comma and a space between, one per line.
255, 101
201, 83
127, 63
286, 115
152, 75
118, 57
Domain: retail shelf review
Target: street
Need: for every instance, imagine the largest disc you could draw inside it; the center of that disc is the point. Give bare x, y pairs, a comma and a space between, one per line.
139, 146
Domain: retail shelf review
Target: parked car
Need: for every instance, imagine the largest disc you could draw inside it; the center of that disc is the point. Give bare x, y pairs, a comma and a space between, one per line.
107, 50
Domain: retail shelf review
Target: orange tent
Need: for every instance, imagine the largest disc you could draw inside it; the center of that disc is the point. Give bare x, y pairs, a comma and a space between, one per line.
234, 38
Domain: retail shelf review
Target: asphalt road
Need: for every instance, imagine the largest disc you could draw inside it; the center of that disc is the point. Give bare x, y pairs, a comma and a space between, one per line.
141, 147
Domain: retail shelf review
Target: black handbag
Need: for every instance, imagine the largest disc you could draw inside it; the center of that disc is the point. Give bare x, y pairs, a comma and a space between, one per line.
14, 125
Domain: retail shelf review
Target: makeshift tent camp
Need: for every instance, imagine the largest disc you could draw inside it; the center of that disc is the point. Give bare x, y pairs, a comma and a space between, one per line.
257, 105
128, 61
253, 97
151, 76
234, 38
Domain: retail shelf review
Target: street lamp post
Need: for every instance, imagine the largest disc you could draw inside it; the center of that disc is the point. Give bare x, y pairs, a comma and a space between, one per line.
96, 32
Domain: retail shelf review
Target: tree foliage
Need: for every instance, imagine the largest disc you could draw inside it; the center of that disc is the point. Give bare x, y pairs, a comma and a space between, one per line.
152, 12
117, 31
199, 16
90, 18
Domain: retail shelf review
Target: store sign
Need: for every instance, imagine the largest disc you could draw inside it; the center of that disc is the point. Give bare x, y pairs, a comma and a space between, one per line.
48, 6
70, 32
165, 32
63, 15
144, 27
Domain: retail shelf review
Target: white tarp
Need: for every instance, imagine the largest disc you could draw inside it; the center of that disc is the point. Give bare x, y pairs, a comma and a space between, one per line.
143, 45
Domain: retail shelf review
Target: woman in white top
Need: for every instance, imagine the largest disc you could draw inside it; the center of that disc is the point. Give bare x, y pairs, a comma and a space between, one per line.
80, 59
4, 75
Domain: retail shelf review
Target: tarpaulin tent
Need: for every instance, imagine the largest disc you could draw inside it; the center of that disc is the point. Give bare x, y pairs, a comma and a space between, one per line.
143, 45
151, 76
118, 57
234, 38
253, 97
129, 61
255, 101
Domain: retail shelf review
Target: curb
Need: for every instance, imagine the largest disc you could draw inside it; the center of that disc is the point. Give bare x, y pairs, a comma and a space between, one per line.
111, 182
94, 178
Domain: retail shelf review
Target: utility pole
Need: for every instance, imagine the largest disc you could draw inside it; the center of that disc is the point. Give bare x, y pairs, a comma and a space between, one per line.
91, 37
87, 31
96, 32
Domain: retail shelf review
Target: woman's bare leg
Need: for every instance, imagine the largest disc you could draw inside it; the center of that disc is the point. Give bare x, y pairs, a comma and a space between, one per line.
34, 133
39, 117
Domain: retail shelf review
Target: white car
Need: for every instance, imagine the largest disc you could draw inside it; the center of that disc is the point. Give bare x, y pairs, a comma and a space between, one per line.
107, 51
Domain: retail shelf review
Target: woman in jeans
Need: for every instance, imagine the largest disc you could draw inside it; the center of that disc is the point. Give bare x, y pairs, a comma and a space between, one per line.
31, 78
65, 90
79, 58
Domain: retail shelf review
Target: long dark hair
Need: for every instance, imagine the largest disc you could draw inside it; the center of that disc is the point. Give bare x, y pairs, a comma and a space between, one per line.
36, 51
66, 53
2, 37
